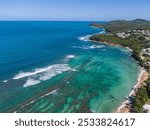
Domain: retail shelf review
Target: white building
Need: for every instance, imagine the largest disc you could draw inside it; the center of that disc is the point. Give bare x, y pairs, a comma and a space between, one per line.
147, 107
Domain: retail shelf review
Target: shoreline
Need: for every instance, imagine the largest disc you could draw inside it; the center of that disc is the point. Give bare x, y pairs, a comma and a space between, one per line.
125, 106
142, 76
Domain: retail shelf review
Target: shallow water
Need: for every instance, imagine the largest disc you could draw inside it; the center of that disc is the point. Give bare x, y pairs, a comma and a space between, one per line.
52, 67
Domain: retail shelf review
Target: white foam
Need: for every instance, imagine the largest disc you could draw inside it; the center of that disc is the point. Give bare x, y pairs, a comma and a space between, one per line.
70, 56
89, 47
5, 81
96, 46
28, 103
79, 47
142, 71
31, 82
57, 68
52, 92
85, 38
26, 74
43, 74
102, 32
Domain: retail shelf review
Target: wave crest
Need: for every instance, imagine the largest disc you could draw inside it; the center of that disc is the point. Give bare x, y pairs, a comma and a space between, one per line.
89, 47
57, 68
85, 38
70, 56
42, 74
31, 82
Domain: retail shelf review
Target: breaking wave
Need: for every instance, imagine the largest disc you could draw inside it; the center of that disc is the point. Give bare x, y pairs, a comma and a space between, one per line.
96, 46
5, 81
31, 82
88, 47
42, 74
85, 38
70, 56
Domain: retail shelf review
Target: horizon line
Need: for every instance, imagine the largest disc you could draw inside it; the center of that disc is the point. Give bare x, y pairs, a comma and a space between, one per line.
47, 20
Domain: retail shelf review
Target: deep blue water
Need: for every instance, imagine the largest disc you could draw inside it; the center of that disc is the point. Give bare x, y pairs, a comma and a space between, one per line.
52, 67
25, 45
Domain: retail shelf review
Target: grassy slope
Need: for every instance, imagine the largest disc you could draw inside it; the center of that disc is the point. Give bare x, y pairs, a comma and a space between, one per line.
123, 25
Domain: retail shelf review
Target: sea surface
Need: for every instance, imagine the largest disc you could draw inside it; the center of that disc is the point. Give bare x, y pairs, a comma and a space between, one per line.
52, 67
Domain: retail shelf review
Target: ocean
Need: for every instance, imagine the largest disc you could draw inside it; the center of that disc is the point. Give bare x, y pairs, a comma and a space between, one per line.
52, 67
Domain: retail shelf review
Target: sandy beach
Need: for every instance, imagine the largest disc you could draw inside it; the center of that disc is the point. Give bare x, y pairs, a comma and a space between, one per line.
125, 108
143, 76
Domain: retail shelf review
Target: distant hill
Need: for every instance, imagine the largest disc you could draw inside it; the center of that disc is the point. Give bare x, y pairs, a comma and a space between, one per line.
124, 25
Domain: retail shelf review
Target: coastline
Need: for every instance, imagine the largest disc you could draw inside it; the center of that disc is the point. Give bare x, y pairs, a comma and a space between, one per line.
142, 76
125, 106
111, 44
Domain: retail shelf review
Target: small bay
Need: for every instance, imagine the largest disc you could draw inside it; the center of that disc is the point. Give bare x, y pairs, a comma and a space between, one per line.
53, 67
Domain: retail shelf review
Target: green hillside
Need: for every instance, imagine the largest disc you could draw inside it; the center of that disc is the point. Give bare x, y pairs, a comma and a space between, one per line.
123, 25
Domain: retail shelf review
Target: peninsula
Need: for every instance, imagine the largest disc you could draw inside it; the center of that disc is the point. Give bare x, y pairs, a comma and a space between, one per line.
134, 35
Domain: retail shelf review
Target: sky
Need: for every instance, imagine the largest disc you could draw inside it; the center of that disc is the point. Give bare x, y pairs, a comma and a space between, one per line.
74, 10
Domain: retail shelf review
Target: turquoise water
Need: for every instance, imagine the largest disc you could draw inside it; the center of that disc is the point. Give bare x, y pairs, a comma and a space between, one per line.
52, 67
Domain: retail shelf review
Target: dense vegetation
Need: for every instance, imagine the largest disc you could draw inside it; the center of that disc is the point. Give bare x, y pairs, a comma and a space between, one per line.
136, 46
134, 43
123, 25
142, 95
